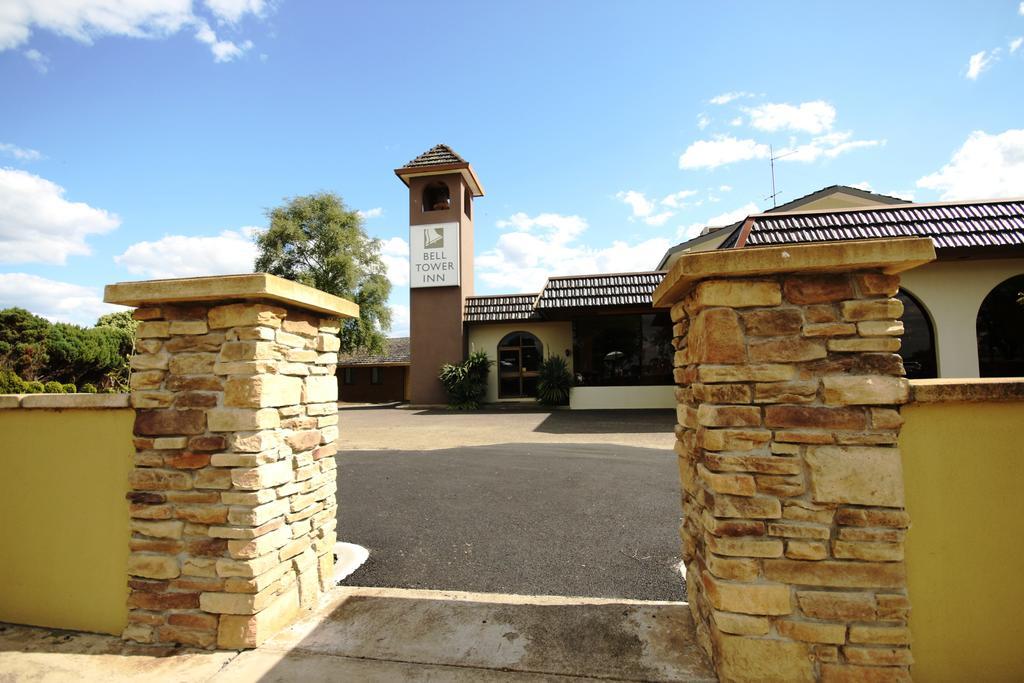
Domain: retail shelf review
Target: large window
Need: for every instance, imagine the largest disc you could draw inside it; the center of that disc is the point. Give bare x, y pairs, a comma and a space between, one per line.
1000, 328
918, 348
623, 350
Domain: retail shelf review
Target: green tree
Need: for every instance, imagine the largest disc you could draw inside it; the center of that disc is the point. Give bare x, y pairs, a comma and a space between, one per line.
23, 342
79, 354
318, 241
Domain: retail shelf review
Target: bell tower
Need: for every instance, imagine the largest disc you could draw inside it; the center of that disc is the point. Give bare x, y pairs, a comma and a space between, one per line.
442, 186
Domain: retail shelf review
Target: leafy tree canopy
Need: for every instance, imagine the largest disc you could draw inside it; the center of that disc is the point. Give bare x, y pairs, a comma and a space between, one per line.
34, 349
318, 241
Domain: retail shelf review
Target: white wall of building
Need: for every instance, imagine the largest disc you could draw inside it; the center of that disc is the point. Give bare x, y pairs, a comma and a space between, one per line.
556, 337
599, 398
951, 293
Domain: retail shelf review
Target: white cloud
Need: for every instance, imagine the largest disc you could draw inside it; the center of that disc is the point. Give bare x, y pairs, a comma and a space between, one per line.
1015, 44
979, 62
901, 194
827, 146
399, 320
375, 212
233, 10
728, 218
545, 245
738, 121
89, 20
86, 20
230, 252
1020, 9
986, 166
808, 117
38, 60
721, 150
726, 98
863, 185
725, 188
702, 121
52, 299
223, 50
395, 254
19, 153
677, 200
643, 208
38, 225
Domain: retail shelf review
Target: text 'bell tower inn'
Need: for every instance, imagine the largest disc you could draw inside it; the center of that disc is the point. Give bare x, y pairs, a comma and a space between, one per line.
442, 186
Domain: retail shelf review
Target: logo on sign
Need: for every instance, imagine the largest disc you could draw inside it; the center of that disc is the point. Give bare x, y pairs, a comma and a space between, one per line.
433, 238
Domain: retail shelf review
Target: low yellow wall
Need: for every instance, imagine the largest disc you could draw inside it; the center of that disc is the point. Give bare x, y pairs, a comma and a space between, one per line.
64, 518
964, 477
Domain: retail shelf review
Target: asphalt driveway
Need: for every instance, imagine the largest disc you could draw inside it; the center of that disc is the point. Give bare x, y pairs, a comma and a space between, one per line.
556, 518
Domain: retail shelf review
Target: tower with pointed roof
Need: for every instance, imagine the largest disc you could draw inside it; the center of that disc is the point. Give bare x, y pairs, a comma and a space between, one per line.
442, 186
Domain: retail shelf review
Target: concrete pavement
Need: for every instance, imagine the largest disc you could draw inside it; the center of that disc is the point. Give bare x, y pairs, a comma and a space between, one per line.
378, 634
528, 518
365, 428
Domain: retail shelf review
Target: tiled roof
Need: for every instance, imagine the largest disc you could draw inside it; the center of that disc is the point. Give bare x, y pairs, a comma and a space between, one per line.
613, 289
396, 351
492, 309
438, 155
950, 225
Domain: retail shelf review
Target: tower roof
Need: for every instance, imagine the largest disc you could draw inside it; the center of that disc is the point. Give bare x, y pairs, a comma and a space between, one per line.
437, 160
438, 155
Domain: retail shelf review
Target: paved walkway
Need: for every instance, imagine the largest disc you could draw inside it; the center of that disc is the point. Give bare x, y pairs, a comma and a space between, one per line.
407, 429
385, 635
578, 519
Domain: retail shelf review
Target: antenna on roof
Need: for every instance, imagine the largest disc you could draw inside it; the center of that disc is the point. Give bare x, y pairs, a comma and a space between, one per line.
771, 159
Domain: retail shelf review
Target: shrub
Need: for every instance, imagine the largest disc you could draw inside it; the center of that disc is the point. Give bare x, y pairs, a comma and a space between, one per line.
88, 388
10, 383
53, 387
34, 388
70, 389
553, 382
466, 382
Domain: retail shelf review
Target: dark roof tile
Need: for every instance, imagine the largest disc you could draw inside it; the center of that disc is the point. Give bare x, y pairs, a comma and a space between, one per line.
950, 226
612, 289
500, 308
396, 351
438, 155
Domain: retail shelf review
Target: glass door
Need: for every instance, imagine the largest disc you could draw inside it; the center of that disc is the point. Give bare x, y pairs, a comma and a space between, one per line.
519, 358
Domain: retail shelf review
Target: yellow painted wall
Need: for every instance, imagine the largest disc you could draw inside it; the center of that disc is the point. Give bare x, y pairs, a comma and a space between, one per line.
64, 518
556, 338
964, 477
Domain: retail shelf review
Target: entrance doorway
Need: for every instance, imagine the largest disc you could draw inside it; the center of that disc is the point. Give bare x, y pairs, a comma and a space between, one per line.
519, 357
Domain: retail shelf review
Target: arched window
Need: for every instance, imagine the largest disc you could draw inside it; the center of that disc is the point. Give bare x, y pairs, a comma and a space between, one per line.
918, 349
1000, 328
436, 197
519, 357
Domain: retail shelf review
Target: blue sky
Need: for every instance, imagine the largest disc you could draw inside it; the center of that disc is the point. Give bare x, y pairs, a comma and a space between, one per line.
148, 141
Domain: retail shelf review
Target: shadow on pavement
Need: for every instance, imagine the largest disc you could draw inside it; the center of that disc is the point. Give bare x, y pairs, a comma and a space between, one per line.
609, 422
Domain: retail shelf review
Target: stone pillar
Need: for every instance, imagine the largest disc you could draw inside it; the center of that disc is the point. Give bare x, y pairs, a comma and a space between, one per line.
789, 389
233, 493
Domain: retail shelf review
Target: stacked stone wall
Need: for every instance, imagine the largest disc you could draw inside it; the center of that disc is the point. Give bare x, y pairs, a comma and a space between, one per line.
789, 389
232, 497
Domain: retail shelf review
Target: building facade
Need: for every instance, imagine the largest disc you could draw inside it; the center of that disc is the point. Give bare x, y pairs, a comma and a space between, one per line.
963, 314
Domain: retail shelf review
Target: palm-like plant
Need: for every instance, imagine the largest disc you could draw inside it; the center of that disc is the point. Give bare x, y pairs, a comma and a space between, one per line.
553, 382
